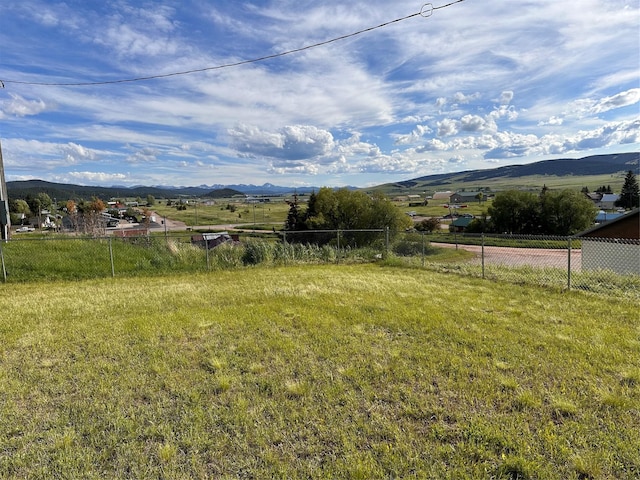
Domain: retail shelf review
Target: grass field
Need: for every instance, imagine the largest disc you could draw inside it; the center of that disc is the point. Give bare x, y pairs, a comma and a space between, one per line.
532, 183
361, 371
230, 211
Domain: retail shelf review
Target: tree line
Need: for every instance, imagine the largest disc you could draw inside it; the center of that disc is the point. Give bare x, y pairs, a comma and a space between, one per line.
562, 212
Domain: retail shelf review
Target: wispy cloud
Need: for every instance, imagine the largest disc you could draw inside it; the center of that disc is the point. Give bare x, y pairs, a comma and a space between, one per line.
473, 84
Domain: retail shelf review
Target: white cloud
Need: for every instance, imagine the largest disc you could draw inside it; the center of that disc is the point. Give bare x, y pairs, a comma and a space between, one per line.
472, 123
552, 121
94, 178
622, 99
145, 155
473, 83
75, 153
460, 97
506, 97
293, 142
41, 157
447, 127
418, 132
21, 107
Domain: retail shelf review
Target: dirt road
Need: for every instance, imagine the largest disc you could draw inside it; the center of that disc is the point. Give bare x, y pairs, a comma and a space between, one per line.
510, 256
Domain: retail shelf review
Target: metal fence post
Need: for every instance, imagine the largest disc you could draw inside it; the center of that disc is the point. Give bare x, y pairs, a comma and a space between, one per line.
284, 246
386, 245
423, 249
338, 253
4, 269
482, 255
113, 269
569, 263
206, 247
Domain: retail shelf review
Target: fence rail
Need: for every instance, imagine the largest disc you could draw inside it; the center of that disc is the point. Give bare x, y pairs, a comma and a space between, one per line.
594, 264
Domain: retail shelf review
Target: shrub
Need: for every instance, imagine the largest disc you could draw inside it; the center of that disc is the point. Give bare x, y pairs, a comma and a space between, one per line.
410, 245
256, 253
226, 256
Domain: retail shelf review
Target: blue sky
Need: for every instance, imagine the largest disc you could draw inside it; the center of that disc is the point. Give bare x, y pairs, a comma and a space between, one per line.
474, 85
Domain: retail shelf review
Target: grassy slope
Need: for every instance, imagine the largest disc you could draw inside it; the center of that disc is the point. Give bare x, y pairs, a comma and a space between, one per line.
316, 372
530, 182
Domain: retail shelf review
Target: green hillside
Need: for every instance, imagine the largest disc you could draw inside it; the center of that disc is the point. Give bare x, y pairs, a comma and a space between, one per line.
591, 172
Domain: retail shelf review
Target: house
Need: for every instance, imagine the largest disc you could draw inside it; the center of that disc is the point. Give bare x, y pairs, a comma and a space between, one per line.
460, 224
608, 200
464, 197
595, 197
613, 245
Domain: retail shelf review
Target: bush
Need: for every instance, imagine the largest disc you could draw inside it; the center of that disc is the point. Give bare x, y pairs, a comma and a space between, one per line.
226, 256
256, 253
428, 225
410, 245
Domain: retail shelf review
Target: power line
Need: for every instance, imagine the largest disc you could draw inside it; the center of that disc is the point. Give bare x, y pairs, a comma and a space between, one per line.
425, 12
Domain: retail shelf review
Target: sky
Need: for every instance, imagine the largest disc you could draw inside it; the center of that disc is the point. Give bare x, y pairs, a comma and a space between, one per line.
450, 86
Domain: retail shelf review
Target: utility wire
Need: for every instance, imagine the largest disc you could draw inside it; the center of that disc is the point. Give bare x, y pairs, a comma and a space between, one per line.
426, 11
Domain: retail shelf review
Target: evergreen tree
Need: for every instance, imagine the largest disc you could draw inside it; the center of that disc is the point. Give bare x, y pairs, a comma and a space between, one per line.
630, 193
294, 217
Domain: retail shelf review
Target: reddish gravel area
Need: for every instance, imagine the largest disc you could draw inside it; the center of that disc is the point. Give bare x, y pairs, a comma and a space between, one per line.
534, 257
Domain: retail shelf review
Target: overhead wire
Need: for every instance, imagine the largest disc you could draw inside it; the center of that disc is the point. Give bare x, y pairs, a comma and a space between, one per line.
425, 12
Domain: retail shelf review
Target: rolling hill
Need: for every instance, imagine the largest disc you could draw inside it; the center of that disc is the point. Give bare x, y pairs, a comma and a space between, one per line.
591, 171
22, 189
586, 171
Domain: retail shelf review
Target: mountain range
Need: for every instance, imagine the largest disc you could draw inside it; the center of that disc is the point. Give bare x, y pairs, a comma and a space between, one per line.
586, 166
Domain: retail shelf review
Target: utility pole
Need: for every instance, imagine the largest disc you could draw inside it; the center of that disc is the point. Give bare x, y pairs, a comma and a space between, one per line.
5, 220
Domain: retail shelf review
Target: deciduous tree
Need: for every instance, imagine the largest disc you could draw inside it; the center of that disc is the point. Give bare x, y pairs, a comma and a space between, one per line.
565, 212
346, 210
516, 212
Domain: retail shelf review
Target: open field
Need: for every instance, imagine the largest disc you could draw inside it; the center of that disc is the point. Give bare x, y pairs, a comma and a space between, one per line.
230, 211
532, 182
361, 371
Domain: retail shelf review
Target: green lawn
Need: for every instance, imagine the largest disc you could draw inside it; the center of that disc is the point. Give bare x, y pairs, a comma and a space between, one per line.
361, 371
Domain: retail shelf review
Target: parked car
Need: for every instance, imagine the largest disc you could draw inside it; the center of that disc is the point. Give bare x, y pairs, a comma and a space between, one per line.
25, 229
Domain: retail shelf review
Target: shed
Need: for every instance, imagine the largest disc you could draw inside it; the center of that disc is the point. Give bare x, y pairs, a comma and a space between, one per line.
613, 245
212, 240
442, 195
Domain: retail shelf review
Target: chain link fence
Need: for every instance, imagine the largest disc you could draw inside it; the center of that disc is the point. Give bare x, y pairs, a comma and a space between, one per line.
591, 264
